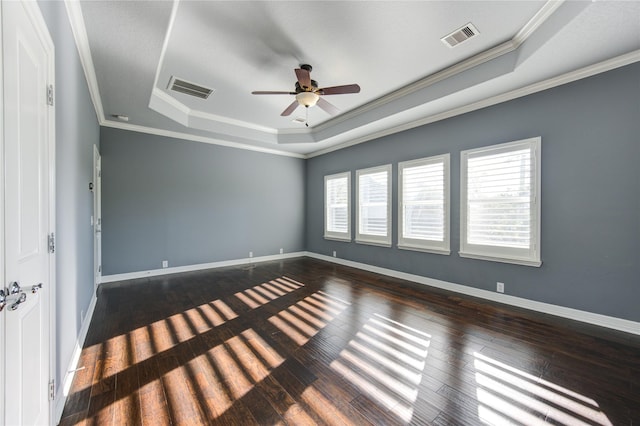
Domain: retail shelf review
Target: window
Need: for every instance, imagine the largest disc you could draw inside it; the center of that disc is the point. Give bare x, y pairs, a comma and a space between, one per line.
500, 203
337, 210
374, 208
423, 204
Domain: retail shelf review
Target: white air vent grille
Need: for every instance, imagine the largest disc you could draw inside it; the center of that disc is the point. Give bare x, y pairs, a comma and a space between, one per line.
188, 88
460, 35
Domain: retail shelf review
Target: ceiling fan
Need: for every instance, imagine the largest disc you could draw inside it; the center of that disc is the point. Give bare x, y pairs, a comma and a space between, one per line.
308, 94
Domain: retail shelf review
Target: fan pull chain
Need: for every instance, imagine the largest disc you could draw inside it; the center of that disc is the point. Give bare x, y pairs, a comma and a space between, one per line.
306, 120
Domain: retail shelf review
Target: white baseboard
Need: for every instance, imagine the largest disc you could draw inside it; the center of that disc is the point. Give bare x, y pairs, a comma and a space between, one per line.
198, 267
547, 308
560, 311
63, 389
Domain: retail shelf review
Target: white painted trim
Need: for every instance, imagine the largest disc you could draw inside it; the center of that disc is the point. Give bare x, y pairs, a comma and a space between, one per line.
529, 256
538, 19
198, 267
566, 78
429, 246
376, 240
79, 31
2, 234
172, 108
334, 235
165, 43
97, 215
226, 120
546, 308
63, 389
189, 137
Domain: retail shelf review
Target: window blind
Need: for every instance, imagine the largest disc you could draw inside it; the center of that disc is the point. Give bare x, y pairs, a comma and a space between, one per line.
500, 202
374, 209
338, 205
423, 202
499, 199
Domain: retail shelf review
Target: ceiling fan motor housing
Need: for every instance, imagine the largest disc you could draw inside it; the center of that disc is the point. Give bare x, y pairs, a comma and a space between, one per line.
313, 88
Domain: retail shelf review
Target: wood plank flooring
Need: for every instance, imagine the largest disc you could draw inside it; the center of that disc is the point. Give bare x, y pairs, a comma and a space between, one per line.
303, 342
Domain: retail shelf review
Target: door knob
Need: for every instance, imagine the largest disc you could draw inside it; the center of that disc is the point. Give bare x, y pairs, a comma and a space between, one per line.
14, 288
3, 300
16, 304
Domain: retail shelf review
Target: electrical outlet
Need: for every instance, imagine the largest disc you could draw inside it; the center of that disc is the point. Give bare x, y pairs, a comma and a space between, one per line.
500, 287
165, 263
334, 253
250, 254
281, 251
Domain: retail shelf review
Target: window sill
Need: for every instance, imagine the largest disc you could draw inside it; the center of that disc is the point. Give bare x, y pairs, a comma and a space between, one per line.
524, 262
373, 243
424, 249
341, 239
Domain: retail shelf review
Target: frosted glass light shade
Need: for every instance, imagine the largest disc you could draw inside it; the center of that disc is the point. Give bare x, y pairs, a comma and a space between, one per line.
307, 99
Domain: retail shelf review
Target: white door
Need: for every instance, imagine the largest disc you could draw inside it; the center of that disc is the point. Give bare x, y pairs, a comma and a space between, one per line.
97, 216
28, 141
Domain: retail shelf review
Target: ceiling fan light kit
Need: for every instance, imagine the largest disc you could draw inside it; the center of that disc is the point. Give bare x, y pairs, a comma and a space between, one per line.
307, 99
308, 94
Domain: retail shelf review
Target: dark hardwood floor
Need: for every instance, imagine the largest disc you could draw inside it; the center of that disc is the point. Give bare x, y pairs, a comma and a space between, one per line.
308, 342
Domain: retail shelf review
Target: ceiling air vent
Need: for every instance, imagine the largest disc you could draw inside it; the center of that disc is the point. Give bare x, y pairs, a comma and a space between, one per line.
188, 88
460, 35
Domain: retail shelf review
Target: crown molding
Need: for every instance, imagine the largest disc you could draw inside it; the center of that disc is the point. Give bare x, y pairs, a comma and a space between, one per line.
569, 77
74, 12
165, 43
189, 137
538, 19
165, 104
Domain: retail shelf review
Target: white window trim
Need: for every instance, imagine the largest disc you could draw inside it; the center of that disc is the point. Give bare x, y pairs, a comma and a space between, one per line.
427, 246
377, 240
332, 235
527, 257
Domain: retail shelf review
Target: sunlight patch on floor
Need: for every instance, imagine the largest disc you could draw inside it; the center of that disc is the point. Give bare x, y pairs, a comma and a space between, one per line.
507, 392
300, 323
264, 293
385, 361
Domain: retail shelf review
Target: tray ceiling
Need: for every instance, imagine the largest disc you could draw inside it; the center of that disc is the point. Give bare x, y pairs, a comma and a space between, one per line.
393, 49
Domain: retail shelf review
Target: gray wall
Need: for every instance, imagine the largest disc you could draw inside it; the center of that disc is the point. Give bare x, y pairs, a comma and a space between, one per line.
590, 194
77, 131
190, 202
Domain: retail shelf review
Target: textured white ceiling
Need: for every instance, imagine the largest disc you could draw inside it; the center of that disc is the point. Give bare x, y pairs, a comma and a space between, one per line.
392, 49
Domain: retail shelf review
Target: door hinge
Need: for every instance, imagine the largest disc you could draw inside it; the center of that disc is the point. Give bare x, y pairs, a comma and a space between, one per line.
52, 390
52, 243
50, 95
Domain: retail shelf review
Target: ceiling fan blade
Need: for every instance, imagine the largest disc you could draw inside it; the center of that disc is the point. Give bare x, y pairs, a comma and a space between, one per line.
290, 109
304, 78
340, 90
327, 107
267, 92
